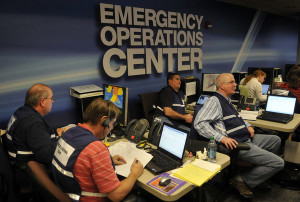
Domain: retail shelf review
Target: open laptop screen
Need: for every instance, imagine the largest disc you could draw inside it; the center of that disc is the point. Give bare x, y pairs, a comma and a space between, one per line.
281, 104
265, 88
173, 140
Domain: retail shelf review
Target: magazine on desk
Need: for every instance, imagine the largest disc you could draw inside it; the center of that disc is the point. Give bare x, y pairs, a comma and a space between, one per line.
170, 188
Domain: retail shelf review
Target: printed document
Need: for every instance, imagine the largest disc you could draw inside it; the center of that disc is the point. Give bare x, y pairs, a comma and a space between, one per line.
129, 152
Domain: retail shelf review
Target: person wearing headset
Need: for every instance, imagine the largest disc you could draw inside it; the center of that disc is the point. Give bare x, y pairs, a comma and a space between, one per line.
82, 166
253, 84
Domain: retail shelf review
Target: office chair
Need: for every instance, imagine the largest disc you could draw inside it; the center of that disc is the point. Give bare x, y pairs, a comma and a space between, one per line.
148, 102
44, 187
8, 191
244, 94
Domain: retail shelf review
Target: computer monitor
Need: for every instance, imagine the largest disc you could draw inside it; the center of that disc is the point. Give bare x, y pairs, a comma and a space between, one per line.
208, 82
265, 88
119, 96
190, 88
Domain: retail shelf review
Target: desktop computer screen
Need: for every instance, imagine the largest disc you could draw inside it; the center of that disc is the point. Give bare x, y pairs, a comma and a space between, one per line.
208, 82
119, 96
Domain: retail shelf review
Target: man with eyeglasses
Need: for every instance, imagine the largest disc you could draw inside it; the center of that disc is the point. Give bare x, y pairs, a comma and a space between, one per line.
219, 118
29, 136
82, 166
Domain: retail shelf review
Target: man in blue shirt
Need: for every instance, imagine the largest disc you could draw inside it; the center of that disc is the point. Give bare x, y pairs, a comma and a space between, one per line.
219, 118
172, 105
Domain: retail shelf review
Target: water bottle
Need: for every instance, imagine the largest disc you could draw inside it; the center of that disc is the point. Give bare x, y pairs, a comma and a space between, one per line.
212, 150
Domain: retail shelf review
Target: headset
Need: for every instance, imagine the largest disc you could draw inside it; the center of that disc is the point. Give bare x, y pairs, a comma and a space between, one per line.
105, 122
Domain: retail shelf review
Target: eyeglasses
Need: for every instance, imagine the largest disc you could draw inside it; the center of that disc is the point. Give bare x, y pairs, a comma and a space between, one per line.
52, 98
230, 82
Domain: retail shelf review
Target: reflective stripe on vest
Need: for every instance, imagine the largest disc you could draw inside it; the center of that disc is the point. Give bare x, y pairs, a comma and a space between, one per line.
229, 117
62, 171
235, 129
14, 155
24, 152
9, 136
85, 193
178, 105
74, 196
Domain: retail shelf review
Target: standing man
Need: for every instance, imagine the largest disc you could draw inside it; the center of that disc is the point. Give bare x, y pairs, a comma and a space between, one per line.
82, 165
171, 105
219, 118
29, 137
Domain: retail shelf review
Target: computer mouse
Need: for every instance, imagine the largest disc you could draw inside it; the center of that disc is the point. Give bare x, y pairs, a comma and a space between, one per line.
164, 181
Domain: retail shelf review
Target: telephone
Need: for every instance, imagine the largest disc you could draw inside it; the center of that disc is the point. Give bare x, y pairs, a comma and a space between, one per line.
136, 129
154, 133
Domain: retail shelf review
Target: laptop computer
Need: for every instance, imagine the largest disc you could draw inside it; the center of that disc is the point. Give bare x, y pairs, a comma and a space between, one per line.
202, 99
170, 152
265, 88
279, 109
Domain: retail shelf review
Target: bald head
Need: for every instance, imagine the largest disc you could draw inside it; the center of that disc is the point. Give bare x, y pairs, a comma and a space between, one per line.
222, 78
225, 84
35, 93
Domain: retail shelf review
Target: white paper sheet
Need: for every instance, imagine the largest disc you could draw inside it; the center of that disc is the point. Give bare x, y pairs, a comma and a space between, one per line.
129, 152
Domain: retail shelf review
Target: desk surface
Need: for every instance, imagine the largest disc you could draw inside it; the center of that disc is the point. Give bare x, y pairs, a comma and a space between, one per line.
222, 160
289, 127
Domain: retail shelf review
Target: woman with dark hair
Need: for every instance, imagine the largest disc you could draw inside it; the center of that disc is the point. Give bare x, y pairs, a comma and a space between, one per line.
253, 83
293, 82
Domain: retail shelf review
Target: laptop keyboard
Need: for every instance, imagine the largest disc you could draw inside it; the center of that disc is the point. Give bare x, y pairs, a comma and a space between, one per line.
160, 159
275, 118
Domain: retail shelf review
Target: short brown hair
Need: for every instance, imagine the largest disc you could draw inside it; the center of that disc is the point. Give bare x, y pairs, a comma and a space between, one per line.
99, 108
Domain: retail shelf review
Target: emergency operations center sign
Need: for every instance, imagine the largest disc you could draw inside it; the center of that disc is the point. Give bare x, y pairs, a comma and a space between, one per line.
138, 38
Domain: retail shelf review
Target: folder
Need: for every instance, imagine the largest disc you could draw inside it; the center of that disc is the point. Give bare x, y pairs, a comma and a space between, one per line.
197, 175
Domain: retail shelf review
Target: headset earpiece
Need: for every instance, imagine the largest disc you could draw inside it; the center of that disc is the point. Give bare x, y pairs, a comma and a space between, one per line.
105, 122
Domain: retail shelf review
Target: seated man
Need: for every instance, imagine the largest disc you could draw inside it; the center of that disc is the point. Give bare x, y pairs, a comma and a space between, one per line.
29, 137
82, 165
219, 118
171, 103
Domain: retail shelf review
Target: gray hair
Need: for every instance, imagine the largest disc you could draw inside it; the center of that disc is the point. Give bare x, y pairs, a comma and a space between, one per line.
35, 93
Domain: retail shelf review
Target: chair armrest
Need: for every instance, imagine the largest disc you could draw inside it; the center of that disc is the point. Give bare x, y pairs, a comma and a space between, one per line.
242, 146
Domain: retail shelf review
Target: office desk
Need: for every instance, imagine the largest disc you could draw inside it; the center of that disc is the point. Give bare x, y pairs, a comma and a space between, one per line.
291, 148
222, 160
288, 128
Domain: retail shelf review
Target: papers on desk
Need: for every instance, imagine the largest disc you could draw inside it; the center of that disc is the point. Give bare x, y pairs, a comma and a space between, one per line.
249, 115
198, 172
129, 152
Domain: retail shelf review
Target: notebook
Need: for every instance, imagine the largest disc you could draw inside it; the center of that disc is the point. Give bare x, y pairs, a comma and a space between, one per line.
279, 109
202, 99
265, 88
170, 151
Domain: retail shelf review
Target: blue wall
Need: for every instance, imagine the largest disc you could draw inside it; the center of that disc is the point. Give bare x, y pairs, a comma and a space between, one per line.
57, 43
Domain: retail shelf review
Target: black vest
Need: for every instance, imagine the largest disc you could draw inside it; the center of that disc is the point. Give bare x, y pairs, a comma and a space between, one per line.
22, 153
68, 148
234, 124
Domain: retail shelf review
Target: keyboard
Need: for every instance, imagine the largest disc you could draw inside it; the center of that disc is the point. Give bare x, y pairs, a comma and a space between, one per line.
275, 118
160, 159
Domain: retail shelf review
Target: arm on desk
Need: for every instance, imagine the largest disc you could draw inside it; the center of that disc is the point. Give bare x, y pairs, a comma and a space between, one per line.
126, 185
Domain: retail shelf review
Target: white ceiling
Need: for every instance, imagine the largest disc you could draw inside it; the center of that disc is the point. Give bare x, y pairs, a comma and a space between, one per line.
288, 8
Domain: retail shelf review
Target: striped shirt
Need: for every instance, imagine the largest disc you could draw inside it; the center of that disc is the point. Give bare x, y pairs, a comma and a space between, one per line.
209, 116
295, 92
94, 171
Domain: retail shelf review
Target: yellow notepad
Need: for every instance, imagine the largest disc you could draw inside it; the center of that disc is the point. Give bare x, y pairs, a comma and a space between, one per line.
195, 174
